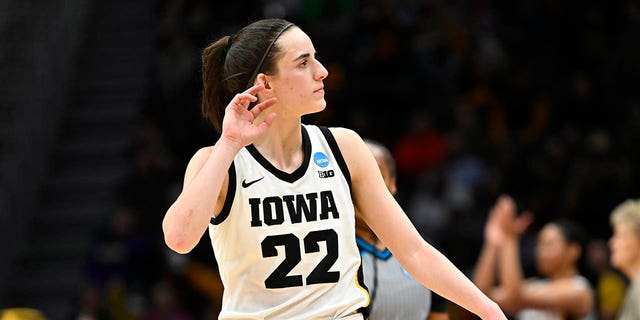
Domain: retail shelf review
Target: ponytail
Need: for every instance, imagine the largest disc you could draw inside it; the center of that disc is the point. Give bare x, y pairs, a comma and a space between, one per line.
214, 98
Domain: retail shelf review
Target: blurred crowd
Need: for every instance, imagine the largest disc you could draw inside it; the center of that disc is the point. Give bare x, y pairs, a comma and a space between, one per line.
537, 99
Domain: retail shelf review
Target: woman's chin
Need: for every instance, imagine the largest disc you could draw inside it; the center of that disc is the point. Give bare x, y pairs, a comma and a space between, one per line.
319, 107
615, 262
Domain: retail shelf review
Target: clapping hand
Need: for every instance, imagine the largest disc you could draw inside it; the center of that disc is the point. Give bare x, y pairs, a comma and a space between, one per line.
504, 221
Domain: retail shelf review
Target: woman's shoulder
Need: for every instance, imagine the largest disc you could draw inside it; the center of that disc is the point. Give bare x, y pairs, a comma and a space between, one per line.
350, 143
344, 135
197, 161
357, 155
576, 286
581, 282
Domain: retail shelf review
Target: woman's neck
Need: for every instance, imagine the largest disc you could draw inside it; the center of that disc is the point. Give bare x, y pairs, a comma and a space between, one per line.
282, 146
564, 273
632, 272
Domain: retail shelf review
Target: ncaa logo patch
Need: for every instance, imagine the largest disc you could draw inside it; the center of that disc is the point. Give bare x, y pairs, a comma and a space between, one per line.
321, 159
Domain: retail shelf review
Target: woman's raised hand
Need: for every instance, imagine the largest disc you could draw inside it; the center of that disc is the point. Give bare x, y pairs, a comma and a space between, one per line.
504, 221
512, 223
493, 229
239, 124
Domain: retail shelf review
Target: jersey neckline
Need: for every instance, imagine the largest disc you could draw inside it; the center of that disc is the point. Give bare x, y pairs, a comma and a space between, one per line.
285, 176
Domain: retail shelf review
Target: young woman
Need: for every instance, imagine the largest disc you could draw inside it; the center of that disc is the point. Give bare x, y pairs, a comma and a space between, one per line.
394, 293
562, 294
278, 196
625, 253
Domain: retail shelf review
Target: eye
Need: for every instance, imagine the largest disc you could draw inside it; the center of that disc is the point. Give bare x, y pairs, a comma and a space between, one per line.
304, 63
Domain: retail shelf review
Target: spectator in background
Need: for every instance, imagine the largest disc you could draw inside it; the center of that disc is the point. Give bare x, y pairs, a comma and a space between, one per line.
563, 293
393, 292
625, 253
118, 266
145, 190
89, 305
202, 278
422, 149
165, 304
119, 252
610, 285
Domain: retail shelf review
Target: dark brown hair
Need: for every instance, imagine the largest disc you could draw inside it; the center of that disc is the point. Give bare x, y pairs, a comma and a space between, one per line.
230, 64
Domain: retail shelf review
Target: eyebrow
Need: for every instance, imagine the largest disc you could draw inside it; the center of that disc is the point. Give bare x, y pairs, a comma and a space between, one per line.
302, 56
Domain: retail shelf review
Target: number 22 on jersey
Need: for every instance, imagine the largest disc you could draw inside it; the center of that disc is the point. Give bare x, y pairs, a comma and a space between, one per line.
280, 277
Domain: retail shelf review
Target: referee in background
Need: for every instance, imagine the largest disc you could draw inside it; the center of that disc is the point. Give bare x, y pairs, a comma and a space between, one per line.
393, 292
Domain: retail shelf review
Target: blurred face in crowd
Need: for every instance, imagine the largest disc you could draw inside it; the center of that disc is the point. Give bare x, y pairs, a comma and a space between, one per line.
389, 181
553, 252
625, 248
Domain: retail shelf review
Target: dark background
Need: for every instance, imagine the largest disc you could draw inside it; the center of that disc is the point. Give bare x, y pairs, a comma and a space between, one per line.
100, 115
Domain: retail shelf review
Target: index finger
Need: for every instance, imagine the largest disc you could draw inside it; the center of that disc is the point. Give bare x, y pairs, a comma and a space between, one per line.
255, 89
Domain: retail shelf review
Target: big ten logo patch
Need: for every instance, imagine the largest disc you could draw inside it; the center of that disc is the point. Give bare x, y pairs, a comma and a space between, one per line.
326, 174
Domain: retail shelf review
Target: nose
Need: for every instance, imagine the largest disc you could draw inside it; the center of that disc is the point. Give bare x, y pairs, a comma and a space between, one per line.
321, 71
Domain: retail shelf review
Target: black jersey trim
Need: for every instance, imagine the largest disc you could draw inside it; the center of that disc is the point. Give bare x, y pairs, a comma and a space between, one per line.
336, 153
360, 276
228, 200
284, 176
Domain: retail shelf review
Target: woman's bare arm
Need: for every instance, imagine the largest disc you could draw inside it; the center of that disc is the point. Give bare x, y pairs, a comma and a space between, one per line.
487, 265
186, 220
567, 295
390, 223
188, 217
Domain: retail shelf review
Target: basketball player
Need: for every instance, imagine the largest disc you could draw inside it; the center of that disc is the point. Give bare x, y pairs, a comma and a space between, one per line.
394, 293
278, 196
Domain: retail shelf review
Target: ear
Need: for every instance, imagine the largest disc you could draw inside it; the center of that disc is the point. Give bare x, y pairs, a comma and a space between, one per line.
262, 78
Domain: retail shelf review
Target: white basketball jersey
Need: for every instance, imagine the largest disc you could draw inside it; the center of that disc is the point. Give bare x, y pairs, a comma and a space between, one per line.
285, 242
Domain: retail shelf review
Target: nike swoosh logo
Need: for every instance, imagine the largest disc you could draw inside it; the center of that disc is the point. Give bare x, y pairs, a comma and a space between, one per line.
246, 184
